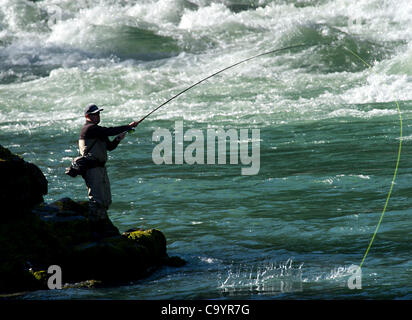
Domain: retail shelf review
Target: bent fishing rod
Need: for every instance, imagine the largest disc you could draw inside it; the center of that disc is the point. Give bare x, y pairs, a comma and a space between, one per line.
224, 69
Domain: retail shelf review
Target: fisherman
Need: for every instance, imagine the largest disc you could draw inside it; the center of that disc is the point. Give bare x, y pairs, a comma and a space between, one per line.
94, 139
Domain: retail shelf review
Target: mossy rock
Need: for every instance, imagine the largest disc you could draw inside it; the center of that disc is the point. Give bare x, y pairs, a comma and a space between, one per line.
152, 239
25, 243
84, 284
40, 275
14, 277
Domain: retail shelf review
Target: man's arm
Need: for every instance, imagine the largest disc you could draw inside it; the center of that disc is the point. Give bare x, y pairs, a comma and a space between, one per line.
91, 131
96, 131
104, 132
111, 145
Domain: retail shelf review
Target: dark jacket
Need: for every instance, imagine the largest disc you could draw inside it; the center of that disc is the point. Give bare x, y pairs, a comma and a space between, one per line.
92, 132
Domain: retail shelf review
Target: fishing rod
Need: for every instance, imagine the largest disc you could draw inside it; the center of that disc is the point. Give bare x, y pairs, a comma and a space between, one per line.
224, 69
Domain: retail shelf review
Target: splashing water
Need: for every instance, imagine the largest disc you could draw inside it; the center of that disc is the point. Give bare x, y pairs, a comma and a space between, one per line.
266, 278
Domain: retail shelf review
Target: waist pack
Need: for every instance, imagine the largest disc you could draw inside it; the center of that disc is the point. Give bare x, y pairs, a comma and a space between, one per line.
81, 164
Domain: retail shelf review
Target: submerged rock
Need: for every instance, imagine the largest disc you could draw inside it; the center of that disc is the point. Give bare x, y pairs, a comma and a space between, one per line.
36, 235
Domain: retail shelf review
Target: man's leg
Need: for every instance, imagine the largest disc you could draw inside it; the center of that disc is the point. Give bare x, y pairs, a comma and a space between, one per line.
95, 181
97, 211
98, 187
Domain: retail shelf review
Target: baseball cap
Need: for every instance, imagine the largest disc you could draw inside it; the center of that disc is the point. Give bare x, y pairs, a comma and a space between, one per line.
92, 109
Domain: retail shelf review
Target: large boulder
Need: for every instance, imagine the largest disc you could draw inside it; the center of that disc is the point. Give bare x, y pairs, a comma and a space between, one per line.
36, 235
22, 186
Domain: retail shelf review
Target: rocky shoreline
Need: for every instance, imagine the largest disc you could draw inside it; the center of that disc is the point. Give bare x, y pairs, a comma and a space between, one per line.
35, 235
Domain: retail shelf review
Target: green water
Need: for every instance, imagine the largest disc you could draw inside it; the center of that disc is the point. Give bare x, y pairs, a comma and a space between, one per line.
329, 136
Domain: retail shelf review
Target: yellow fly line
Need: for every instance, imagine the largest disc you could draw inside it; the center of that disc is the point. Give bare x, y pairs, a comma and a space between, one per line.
394, 174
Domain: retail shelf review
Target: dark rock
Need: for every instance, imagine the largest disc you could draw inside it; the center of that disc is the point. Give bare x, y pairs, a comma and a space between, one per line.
22, 186
67, 206
60, 233
152, 239
174, 262
110, 260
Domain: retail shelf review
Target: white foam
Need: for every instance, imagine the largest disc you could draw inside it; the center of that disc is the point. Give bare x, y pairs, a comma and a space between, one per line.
262, 92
